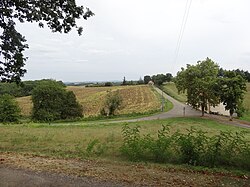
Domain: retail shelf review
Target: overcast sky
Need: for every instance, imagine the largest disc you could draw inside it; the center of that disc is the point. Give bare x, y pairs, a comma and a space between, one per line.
133, 38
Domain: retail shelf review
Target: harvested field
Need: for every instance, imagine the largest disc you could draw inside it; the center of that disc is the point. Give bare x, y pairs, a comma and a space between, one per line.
136, 99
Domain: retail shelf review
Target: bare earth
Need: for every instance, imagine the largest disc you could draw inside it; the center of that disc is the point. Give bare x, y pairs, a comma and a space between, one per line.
17, 170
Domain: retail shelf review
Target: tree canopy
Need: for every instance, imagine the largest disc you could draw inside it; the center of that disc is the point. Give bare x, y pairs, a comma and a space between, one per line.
199, 82
59, 15
232, 89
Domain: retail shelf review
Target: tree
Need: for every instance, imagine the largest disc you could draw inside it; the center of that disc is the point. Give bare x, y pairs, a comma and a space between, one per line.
140, 81
59, 15
232, 91
169, 77
52, 102
9, 109
159, 79
146, 79
199, 82
112, 103
124, 82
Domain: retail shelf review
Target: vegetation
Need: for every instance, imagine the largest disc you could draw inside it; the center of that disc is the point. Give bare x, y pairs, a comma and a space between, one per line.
112, 103
60, 17
103, 140
195, 147
232, 88
170, 89
136, 100
24, 88
206, 86
9, 109
52, 102
198, 81
158, 79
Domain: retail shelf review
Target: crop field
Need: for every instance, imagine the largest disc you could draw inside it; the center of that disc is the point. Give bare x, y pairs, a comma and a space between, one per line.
171, 90
136, 99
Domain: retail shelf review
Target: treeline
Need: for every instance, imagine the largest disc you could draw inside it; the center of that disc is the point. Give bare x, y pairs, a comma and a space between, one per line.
158, 79
244, 74
24, 88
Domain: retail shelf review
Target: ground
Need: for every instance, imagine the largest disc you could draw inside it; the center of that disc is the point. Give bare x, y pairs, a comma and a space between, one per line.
30, 170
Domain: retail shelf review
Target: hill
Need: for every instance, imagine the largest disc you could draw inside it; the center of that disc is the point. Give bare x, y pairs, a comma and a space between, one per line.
136, 99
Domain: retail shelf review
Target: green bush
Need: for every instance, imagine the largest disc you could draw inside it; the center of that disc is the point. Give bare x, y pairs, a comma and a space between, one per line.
112, 103
9, 109
193, 148
52, 102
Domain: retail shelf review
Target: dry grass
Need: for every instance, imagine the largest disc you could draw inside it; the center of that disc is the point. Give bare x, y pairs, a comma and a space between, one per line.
26, 105
136, 99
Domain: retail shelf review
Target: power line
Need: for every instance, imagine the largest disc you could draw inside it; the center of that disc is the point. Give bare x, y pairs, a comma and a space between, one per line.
183, 26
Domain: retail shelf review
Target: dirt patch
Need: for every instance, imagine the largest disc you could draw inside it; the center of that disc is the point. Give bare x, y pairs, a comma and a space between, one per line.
110, 173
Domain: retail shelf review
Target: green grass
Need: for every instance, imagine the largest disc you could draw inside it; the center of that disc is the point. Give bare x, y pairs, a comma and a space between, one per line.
246, 104
170, 89
74, 139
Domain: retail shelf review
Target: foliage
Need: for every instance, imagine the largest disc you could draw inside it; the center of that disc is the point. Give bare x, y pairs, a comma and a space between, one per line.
24, 88
108, 84
112, 103
9, 109
194, 147
52, 102
140, 81
199, 82
60, 16
232, 89
146, 79
159, 79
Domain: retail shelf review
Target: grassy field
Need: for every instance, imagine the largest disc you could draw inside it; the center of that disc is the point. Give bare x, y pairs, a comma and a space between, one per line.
246, 104
171, 90
93, 149
79, 139
136, 99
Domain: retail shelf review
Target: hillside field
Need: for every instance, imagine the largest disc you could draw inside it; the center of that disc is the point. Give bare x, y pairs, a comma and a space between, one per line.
170, 89
136, 99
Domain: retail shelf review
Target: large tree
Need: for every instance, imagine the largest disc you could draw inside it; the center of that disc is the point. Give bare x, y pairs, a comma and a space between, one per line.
59, 15
232, 89
199, 82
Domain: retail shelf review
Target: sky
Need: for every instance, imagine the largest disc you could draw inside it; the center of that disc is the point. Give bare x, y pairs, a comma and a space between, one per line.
134, 38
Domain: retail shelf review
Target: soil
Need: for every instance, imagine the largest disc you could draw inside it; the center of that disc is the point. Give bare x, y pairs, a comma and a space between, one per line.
17, 170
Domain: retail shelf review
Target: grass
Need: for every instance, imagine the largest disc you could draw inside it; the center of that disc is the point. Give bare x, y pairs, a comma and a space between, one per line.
136, 100
171, 90
74, 139
246, 104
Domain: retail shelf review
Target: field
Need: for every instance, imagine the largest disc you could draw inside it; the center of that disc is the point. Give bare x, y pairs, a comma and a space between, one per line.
171, 90
75, 138
136, 99
246, 104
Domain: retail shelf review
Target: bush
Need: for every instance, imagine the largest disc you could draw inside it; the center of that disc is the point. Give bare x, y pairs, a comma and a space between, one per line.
112, 103
194, 148
52, 102
9, 109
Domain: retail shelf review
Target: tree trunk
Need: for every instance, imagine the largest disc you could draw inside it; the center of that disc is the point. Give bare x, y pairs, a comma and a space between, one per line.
202, 110
231, 115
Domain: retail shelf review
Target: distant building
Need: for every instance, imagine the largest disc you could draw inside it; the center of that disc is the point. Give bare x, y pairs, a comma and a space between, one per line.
151, 83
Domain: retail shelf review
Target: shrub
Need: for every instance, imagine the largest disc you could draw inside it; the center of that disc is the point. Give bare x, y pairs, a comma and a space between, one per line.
194, 148
112, 103
9, 109
52, 102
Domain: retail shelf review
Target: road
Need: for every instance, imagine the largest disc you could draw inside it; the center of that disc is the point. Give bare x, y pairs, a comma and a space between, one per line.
183, 110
